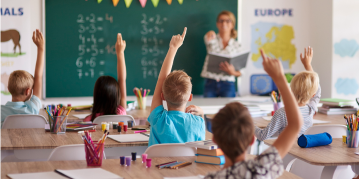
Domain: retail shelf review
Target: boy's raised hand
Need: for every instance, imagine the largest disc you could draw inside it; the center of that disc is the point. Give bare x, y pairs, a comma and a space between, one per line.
38, 39
307, 58
272, 66
177, 40
120, 44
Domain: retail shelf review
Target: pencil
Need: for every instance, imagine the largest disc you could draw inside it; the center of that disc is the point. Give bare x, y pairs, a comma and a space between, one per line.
184, 165
165, 163
176, 166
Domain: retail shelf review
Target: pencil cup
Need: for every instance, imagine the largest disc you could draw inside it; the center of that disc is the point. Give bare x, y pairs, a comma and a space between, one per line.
277, 105
58, 126
94, 153
352, 139
141, 103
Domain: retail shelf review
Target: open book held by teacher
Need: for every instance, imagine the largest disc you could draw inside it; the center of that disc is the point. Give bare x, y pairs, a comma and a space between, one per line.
238, 60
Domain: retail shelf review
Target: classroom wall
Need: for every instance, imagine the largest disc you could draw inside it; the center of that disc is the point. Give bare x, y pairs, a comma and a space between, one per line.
345, 76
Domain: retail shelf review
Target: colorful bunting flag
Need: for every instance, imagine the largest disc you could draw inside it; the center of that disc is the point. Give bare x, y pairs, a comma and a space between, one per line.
180, 1
115, 2
155, 2
128, 3
143, 3
169, 2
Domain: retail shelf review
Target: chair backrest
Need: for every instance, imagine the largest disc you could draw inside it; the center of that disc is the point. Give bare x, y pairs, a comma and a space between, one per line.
20, 121
113, 118
68, 152
335, 130
170, 150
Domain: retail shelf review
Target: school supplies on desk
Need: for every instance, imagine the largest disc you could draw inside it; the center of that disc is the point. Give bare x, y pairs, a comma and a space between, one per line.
129, 138
58, 118
80, 126
94, 150
141, 95
213, 160
314, 140
337, 102
214, 152
204, 144
352, 122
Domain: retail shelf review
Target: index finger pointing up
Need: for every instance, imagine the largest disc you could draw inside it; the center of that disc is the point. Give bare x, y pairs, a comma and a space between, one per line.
263, 55
184, 32
119, 37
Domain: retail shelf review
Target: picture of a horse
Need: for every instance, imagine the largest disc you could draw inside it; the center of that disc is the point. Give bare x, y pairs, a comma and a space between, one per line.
13, 35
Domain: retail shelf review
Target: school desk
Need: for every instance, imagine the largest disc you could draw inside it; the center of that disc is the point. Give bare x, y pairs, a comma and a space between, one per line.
38, 144
334, 157
136, 170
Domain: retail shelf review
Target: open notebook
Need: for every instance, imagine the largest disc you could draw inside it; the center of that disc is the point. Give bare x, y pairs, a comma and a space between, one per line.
89, 173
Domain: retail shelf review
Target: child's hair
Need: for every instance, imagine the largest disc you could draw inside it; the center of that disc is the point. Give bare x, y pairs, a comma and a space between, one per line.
233, 129
233, 19
19, 81
177, 88
304, 85
106, 96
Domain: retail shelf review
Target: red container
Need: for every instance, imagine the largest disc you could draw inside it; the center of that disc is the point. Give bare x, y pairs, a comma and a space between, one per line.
125, 128
94, 153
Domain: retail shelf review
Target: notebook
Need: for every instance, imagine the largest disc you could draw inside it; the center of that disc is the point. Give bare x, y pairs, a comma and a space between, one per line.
204, 144
337, 102
129, 138
239, 61
89, 173
213, 160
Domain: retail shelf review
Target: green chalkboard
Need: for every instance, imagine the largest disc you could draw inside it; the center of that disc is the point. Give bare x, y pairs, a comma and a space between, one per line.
80, 38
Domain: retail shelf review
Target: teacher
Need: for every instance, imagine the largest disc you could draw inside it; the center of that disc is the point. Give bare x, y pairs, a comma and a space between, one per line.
221, 84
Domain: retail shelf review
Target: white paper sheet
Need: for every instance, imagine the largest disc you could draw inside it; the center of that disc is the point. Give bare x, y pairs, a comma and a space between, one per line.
129, 138
315, 121
81, 116
90, 173
191, 177
41, 175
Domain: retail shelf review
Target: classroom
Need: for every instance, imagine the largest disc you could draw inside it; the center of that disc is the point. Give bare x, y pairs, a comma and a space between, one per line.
179, 89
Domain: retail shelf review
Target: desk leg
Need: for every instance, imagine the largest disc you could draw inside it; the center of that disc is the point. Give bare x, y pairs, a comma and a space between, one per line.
333, 172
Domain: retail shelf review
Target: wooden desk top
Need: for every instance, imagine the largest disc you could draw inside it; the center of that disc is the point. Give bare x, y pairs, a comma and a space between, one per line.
336, 153
136, 114
136, 170
333, 119
16, 139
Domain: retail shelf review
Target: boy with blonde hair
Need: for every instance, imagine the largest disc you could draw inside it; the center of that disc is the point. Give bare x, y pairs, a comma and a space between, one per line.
179, 124
306, 89
24, 88
233, 131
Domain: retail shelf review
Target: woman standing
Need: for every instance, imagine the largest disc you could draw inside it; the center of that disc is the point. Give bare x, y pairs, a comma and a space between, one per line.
221, 84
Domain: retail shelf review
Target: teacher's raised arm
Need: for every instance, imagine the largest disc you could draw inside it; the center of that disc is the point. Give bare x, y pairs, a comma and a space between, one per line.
221, 84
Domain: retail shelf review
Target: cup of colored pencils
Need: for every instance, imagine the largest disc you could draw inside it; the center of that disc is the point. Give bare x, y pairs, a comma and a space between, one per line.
141, 95
94, 149
352, 122
277, 100
58, 118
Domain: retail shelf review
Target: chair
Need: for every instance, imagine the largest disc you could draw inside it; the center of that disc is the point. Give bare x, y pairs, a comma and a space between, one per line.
69, 152
170, 150
114, 118
306, 170
21, 121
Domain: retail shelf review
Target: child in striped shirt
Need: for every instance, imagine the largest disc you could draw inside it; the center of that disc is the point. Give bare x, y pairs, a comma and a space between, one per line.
306, 89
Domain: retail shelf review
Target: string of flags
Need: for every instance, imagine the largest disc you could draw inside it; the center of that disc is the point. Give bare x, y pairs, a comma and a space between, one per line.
142, 2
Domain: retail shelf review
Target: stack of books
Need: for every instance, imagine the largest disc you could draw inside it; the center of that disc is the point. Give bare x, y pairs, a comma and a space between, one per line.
255, 111
332, 106
207, 152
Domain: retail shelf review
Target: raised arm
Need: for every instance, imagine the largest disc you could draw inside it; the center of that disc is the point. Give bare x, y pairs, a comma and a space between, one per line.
121, 69
295, 121
176, 42
307, 58
39, 41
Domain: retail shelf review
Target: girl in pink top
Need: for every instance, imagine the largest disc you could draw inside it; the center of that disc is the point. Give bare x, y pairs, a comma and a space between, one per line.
110, 95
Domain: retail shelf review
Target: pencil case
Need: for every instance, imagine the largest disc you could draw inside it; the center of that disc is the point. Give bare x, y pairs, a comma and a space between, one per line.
314, 140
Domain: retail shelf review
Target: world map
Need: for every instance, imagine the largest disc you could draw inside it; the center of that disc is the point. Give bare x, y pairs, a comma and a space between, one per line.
276, 40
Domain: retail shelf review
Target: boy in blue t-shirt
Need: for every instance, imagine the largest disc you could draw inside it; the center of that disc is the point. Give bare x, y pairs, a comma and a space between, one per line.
179, 124
24, 88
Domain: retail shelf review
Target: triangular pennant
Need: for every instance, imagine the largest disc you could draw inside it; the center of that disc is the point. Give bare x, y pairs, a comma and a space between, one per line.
180, 1
115, 2
143, 3
99, 1
155, 2
128, 3
169, 2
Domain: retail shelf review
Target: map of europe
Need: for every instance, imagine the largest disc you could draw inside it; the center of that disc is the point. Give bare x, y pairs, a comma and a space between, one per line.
275, 40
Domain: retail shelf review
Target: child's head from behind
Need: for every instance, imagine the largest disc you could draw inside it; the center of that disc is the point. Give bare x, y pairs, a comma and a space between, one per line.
177, 88
233, 130
106, 96
20, 84
304, 85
